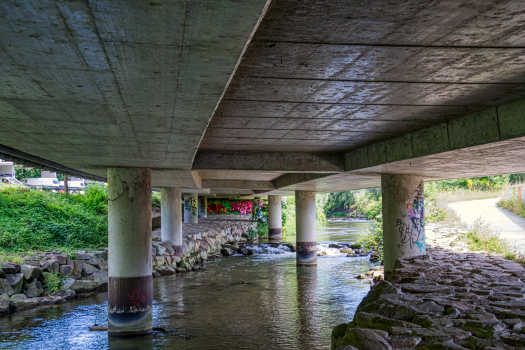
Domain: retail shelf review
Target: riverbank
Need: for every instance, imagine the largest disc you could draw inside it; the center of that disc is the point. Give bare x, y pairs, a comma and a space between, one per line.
52, 277
441, 300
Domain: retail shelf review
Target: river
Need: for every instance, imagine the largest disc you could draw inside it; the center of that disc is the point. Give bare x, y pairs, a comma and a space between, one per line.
259, 302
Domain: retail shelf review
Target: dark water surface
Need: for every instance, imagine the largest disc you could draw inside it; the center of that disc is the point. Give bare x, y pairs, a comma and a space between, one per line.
261, 302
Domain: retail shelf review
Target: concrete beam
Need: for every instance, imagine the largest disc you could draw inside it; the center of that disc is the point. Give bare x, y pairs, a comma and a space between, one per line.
296, 178
298, 162
484, 127
239, 184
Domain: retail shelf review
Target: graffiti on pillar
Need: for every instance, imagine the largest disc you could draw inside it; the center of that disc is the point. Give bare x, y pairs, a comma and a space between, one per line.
191, 205
414, 233
136, 297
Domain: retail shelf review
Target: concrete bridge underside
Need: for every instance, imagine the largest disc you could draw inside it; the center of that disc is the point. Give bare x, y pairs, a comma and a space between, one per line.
256, 97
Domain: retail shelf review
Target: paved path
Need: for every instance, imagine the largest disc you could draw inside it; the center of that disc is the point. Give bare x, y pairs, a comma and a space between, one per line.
510, 226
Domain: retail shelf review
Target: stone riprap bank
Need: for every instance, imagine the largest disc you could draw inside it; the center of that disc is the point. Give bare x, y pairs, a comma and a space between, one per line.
441, 300
23, 286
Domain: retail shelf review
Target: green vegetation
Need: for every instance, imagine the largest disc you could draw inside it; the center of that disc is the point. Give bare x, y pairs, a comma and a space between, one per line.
513, 205
53, 281
155, 199
352, 203
483, 237
42, 220
288, 210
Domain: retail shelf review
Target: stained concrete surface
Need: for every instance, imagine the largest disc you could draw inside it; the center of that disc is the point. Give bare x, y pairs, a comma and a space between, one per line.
510, 226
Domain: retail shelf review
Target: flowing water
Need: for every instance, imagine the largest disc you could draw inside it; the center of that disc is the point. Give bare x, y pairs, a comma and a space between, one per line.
241, 302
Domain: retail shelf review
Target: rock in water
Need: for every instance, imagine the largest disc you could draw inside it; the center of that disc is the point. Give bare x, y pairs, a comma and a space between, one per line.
5, 304
364, 339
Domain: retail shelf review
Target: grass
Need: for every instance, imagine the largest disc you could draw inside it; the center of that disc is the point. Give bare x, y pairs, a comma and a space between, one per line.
482, 237
513, 205
33, 220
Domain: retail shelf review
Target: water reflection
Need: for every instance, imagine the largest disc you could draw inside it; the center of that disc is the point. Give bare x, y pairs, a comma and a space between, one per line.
261, 302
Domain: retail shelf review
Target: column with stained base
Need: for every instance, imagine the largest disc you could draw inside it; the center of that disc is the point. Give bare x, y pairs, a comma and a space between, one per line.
305, 225
130, 288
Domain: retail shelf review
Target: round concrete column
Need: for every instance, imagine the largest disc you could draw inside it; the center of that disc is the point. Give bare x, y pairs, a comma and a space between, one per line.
203, 207
191, 209
275, 219
305, 226
130, 288
403, 218
171, 218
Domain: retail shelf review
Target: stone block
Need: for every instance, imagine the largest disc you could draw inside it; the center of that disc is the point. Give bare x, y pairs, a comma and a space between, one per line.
16, 281
33, 288
5, 288
88, 269
50, 266
5, 304
84, 256
65, 270
62, 259
99, 263
30, 271
10, 268
77, 268
79, 286
21, 302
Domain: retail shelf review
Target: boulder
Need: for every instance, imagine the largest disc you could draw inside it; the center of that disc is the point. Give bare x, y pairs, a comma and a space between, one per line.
336, 246
33, 288
77, 268
363, 339
169, 247
5, 304
79, 286
165, 270
403, 342
52, 300
2, 274
5, 288
483, 329
16, 281
84, 256
513, 339
159, 260
346, 347
21, 302
65, 270
100, 278
351, 255
50, 266
227, 252
99, 263
68, 294
88, 269
10, 268
159, 248
30, 271
62, 259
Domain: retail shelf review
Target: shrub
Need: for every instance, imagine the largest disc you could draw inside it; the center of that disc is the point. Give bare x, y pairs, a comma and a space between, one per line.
42, 220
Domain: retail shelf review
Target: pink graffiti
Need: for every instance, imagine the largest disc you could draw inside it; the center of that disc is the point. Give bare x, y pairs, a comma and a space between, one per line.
243, 208
136, 297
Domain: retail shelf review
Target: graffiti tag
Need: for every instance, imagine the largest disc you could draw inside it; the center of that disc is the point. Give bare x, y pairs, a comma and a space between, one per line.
136, 297
414, 233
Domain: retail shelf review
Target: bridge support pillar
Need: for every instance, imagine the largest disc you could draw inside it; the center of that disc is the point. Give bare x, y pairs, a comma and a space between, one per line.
171, 217
305, 224
275, 219
130, 288
191, 208
203, 207
403, 218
